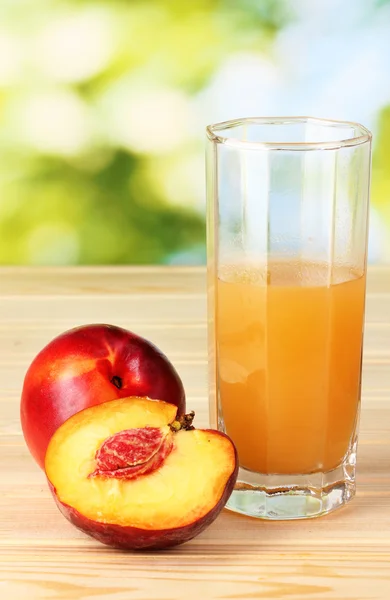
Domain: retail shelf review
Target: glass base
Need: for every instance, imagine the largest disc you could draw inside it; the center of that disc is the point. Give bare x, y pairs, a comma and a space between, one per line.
279, 497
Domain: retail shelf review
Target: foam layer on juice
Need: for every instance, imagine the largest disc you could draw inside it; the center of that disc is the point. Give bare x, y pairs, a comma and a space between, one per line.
285, 272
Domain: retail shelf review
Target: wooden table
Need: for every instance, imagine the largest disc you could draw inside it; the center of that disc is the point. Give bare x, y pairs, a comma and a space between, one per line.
343, 556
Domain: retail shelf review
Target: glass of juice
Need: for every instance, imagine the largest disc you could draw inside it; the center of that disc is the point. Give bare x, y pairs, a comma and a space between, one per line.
287, 223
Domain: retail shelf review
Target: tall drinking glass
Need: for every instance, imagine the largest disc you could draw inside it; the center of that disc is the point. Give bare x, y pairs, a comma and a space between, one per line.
287, 245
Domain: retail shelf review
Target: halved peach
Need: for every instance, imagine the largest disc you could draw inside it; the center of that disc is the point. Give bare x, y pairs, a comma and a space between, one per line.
130, 475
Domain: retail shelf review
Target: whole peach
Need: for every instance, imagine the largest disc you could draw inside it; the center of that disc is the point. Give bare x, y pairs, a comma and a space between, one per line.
89, 365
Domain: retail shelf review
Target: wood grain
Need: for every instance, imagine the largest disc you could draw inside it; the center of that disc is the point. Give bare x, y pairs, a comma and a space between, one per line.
342, 556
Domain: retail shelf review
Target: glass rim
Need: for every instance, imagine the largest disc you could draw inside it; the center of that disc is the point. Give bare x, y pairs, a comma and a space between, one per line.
363, 137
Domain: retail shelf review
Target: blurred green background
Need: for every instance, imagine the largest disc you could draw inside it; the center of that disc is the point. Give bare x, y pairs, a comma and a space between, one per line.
103, 107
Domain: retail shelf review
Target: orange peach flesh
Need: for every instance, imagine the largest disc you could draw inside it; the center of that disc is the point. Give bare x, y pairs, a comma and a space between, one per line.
189, 483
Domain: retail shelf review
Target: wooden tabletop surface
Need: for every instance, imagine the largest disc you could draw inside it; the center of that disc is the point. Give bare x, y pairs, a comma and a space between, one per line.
344, 556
